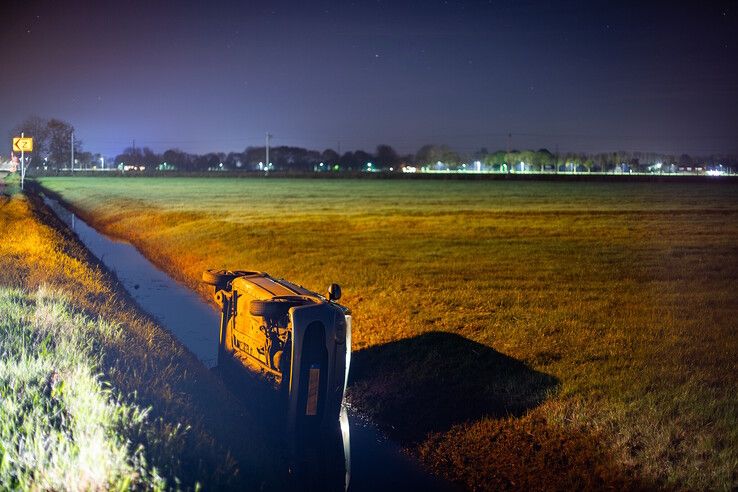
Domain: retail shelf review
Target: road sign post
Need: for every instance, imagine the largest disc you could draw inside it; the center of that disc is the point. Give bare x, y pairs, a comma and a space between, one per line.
23, 165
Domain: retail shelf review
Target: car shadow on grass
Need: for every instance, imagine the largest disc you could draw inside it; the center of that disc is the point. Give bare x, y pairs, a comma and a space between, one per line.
433, 381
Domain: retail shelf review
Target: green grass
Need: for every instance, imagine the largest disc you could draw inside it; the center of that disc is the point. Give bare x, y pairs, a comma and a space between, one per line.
579, 333
61, 428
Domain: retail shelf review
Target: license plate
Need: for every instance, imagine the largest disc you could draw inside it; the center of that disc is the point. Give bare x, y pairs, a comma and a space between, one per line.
313, 388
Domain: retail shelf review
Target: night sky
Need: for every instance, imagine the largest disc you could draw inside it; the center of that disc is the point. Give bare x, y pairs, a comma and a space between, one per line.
215, 76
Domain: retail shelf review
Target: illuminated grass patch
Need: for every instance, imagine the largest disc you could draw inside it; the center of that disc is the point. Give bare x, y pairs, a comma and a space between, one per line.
61, 428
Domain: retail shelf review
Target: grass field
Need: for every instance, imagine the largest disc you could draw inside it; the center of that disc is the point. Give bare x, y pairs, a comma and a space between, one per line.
94, 395
514, 335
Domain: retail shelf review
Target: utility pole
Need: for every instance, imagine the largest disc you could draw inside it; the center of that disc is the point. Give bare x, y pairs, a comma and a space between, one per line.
266, 164
509, 144
72, 144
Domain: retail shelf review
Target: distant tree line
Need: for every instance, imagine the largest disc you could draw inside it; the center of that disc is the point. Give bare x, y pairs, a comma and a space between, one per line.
52, 141
428, 157
253, 159
622, 161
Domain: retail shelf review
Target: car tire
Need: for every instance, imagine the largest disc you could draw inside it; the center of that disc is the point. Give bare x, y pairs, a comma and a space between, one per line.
273, 308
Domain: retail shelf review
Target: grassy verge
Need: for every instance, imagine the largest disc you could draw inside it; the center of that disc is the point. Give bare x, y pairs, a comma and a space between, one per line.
154, 415
514, 335
61, 427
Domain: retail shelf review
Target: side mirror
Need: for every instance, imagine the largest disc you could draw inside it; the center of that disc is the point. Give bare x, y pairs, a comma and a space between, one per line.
334, 292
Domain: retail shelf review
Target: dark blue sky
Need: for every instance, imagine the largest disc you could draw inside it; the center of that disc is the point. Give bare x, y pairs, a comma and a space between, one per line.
589, 76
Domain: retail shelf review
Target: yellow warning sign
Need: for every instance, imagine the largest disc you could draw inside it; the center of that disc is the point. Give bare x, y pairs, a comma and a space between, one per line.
22, 144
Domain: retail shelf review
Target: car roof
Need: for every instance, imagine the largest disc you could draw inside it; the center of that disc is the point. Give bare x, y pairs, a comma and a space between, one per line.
262, 285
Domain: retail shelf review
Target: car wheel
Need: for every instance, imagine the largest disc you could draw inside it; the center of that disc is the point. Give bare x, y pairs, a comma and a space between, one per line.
273, 308
220, 278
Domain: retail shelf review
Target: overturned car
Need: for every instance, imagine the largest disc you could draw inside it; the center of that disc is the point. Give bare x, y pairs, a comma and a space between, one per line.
297, 340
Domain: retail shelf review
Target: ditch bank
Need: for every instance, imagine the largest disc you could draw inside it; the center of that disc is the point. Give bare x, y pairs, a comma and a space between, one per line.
369, 460
141, 366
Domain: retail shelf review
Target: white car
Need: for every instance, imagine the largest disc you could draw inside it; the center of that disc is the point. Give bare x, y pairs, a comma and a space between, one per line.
296, 339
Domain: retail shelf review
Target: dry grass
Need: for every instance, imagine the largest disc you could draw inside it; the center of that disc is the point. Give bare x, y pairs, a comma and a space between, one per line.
581, 334
187, 433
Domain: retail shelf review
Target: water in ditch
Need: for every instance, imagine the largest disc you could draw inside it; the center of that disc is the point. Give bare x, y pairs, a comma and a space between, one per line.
368, 460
